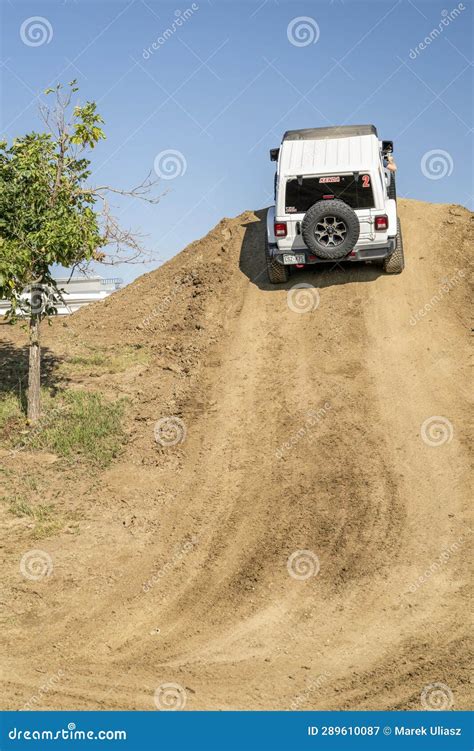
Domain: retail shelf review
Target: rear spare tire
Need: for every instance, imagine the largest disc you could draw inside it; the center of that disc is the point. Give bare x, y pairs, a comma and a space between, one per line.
330, 229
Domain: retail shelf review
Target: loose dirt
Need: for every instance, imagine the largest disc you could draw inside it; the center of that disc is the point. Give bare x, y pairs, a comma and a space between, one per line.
340, 431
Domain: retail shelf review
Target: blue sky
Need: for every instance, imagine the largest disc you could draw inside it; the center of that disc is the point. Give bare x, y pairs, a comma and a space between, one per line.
230, 78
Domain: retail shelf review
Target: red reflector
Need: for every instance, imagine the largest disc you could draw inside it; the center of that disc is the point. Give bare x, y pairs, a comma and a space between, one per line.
329, 196
381, 222
280, 229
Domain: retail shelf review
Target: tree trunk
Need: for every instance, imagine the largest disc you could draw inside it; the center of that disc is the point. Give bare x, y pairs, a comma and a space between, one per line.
34, 372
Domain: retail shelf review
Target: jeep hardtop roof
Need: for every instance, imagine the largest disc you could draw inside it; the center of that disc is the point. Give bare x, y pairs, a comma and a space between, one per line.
335, 131
335, 150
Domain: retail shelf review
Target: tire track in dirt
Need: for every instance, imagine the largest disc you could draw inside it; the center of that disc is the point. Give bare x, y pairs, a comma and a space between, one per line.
257, 480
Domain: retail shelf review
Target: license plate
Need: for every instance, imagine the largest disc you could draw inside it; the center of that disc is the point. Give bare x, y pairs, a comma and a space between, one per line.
294, 258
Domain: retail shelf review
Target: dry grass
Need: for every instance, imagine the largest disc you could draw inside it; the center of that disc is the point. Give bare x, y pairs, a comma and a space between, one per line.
76, 425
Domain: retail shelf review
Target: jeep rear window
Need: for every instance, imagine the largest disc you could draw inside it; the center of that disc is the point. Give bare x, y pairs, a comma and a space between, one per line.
302, 193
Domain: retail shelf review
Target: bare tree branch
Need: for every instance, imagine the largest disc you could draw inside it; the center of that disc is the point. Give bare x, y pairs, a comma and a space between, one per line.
141, 191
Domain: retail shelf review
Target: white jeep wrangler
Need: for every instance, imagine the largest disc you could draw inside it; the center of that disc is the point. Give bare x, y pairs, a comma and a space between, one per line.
335, 201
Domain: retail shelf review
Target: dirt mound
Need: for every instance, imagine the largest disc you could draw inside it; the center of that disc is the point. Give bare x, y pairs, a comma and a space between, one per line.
298, 536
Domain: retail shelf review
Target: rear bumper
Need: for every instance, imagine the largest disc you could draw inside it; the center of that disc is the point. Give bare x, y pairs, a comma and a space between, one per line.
363, 253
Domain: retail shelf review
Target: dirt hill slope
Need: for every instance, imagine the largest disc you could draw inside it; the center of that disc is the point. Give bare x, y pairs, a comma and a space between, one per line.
324, 433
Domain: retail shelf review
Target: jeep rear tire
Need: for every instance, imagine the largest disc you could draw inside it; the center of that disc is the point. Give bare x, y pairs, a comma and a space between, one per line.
277, 272
330, 229
395, 263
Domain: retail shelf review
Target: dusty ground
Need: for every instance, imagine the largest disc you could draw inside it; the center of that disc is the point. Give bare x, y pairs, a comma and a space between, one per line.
174, 569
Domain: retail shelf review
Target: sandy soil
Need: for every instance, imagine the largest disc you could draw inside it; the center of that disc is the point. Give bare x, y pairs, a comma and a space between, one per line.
304, 432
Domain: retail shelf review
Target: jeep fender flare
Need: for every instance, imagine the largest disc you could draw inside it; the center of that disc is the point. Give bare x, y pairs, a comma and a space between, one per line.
391, 208
271, 226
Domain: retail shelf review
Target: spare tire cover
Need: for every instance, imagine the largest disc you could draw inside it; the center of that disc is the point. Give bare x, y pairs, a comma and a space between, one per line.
330, 229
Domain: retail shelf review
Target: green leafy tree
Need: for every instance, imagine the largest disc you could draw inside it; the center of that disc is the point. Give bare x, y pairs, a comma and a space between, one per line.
50, 215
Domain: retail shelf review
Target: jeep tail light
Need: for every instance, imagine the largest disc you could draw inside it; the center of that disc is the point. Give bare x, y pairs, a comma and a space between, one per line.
280, 229
381, 222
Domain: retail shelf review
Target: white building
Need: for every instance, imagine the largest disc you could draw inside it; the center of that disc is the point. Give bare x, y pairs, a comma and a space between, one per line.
78, 291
